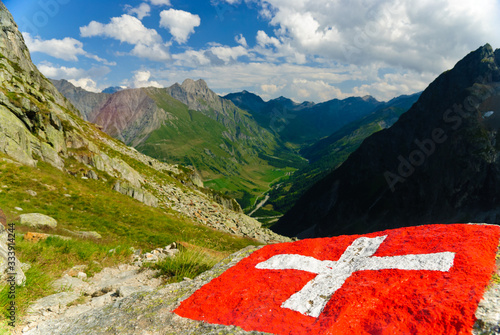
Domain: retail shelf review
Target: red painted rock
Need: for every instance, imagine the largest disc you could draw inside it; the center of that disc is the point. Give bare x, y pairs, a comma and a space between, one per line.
415, 280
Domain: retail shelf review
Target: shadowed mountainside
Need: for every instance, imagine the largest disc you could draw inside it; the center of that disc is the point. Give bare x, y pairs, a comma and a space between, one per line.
438, 163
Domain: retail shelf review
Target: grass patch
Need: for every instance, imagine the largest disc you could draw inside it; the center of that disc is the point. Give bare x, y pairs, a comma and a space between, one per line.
188, 263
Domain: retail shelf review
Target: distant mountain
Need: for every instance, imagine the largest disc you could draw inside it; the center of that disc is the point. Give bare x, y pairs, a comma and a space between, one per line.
190, 124
327, 154
113, 89
438, 163
88, 103
305, 123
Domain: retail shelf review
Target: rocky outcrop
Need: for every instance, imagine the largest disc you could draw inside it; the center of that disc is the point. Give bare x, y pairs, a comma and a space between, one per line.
136, 193
37, 220
126, 315
439, 163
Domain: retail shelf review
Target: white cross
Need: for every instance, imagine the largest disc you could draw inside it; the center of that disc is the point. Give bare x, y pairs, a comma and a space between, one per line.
331, 275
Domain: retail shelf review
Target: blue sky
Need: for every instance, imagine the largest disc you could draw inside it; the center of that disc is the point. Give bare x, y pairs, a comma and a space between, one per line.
313, 50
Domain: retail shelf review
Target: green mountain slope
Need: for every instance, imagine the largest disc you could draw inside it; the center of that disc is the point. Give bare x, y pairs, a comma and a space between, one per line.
330, 152
303, 124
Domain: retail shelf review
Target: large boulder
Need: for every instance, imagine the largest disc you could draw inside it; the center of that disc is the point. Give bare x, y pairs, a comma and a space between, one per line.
37, 220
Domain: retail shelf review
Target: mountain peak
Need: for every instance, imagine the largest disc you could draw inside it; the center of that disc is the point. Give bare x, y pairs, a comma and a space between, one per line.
191, 86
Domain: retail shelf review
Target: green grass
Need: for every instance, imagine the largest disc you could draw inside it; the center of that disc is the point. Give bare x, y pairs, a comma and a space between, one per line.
187, 264
238, 157
89, 205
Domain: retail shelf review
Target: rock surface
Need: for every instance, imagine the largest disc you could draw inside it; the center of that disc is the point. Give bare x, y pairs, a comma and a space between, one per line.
145, 311
37, 220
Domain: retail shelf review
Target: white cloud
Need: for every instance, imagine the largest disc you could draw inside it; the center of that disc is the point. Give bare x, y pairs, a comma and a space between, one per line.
240, 39
142, 79
125, 28
67, 49
148, 43
181, 24
160, 2
78, 75
142, 11
422, 36
298, 82
87, 84
216, 55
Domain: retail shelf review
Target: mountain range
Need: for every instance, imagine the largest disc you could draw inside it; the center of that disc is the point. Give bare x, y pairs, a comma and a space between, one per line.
439, 163
191, 125
240, 144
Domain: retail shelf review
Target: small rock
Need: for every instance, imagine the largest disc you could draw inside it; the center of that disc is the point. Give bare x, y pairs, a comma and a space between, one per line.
19, 209
25, 329
75, 270
32, 193
148, 257
82, 275
125, 291
67, 195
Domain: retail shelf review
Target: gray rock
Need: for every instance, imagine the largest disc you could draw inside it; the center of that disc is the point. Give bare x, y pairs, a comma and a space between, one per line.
147, 312
125, 291
68, 282
37, 220
54, 301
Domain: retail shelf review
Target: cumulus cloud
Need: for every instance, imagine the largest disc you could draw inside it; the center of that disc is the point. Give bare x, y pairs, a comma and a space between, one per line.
240, 39
87, 84
77, 76
181, 24
424, 36
141, 12
216, 55
142, 79
148, 43
67, 49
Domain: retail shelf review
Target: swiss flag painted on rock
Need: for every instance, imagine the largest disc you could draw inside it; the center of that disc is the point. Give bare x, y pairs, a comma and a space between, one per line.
416, 280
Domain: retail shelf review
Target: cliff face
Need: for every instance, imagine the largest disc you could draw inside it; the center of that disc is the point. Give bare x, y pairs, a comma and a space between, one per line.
439, 163
88, 103
130, 115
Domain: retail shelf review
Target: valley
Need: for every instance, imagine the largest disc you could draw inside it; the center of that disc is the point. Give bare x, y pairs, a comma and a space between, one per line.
240, 145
